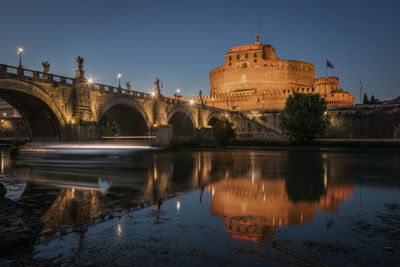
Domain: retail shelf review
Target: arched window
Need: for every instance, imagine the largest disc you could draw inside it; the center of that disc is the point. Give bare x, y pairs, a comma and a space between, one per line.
230, 57
255, 54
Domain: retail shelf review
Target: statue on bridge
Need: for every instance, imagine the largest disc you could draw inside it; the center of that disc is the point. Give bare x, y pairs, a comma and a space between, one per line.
79, 60
158, 90
46, 67
128, 86
201, 98
79, 73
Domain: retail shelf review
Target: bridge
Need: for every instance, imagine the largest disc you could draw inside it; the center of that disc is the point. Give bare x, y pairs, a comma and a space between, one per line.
59, 108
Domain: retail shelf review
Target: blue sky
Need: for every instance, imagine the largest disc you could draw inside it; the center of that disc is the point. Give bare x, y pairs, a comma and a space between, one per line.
181, 41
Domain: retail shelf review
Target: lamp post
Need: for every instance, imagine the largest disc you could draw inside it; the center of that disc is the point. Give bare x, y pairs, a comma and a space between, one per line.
90, 82
20, 51
178, 91
119, 79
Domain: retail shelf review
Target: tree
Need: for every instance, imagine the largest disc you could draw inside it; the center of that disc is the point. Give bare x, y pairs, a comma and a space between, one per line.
304, 117
224, 131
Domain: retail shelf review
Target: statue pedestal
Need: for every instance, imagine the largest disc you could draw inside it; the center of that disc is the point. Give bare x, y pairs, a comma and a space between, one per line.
80, 74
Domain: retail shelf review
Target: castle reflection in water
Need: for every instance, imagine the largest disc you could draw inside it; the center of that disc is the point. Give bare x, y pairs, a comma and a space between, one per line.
253, 192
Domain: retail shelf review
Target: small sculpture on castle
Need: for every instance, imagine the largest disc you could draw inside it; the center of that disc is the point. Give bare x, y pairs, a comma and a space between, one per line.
79, 60
46, 67
128, 85
257, 36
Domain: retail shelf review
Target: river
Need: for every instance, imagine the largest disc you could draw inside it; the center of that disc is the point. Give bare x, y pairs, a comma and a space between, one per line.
210, 207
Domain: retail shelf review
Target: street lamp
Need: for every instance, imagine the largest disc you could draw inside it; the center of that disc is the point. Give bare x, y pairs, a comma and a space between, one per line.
153, 93
20, 51
191, 102
178, 91
119, 79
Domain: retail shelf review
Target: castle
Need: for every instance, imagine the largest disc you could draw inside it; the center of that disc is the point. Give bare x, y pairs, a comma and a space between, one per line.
254, 78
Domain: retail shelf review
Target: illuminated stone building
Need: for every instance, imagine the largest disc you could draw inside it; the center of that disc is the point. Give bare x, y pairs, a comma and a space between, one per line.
254, 78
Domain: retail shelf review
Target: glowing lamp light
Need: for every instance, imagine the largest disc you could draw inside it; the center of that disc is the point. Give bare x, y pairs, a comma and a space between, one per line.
153, 93
20, 50
73, 121
90, 81
178, 91
119, 75
4, 114
191, 102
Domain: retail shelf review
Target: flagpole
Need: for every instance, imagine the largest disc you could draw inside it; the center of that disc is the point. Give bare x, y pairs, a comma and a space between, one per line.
326, 66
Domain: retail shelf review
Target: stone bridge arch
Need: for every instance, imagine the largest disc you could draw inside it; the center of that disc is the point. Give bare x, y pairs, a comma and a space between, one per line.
214, 116
127, 112
183, 123
45, 119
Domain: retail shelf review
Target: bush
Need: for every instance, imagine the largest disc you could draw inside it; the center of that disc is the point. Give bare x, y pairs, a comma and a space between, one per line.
304, 117
224, 131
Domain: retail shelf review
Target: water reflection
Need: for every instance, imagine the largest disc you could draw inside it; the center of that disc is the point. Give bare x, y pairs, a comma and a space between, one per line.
253, 192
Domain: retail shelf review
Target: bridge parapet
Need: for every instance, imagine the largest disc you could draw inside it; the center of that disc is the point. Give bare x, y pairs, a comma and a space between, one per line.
11, 71
34, 75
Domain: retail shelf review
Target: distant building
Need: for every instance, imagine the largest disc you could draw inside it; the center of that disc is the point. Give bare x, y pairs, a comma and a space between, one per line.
6, 110
254, 78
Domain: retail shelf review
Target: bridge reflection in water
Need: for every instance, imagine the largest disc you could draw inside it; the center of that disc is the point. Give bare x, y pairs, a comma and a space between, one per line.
253, 192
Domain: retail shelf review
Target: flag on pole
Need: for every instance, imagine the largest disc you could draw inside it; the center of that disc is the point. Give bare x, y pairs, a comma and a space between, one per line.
329, 64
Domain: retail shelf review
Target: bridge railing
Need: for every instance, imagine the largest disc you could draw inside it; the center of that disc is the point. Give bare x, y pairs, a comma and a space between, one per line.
35, 75
49, 77
119, 90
